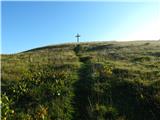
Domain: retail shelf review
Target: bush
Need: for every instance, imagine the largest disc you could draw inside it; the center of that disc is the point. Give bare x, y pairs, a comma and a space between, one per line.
7, 112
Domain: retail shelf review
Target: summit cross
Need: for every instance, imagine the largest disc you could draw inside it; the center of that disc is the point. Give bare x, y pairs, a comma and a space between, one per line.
77, 36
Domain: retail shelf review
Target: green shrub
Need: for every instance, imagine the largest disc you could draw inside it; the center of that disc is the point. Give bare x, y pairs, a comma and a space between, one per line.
7, 113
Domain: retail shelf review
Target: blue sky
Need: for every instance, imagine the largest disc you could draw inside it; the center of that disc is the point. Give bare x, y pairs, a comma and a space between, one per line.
27, 25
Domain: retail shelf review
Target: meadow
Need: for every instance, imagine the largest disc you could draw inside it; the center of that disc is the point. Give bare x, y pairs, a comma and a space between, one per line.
82, 81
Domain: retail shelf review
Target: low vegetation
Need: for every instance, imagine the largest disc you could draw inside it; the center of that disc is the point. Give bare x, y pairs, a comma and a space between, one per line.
86, 81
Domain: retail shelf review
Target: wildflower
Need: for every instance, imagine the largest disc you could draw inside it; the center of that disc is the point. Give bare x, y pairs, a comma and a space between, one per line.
58, 94
12, 111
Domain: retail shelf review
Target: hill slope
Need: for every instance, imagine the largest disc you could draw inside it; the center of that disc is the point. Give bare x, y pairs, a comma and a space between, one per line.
87, 81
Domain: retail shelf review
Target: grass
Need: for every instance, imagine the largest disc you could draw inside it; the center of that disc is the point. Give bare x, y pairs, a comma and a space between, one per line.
101, 80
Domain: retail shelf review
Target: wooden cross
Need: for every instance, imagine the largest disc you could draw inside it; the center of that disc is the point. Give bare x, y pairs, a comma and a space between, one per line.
77, 36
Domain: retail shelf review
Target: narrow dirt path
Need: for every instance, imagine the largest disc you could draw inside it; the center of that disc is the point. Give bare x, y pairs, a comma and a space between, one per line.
82, 88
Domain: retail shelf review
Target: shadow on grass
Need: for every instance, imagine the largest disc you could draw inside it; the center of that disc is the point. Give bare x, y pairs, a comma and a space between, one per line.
135, 101
82, 91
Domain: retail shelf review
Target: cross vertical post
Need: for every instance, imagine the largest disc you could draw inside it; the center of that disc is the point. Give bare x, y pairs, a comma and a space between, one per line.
77, 36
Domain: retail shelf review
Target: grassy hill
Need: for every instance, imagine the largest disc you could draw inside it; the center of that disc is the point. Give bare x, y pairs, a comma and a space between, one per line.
86, 81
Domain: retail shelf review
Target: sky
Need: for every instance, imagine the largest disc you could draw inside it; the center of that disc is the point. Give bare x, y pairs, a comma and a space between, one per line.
27, 25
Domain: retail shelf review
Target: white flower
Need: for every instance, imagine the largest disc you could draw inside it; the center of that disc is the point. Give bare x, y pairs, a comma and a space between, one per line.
58, 94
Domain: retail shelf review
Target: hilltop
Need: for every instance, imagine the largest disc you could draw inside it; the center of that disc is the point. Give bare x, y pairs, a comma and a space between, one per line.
85, 81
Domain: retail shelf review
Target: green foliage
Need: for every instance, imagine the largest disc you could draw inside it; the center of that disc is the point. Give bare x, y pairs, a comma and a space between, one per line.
103, 112
89, 81
7, 112
40, 89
